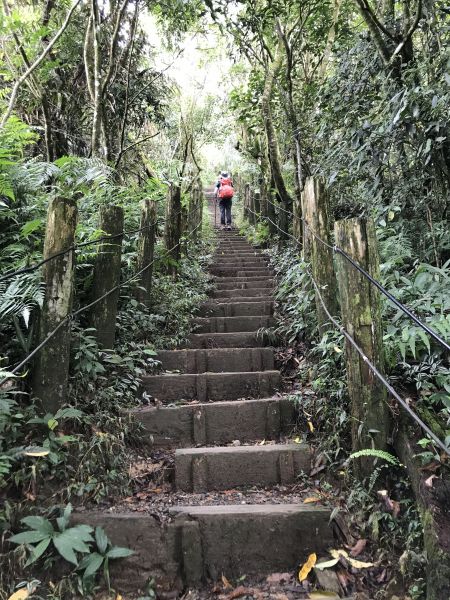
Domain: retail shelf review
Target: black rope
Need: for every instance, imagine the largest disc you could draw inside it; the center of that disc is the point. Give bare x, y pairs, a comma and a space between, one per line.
11, 274
83, 309
431, 332
377, 373
371, 366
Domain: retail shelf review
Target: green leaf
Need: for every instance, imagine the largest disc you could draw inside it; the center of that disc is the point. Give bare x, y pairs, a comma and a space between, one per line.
118, 552
38, 551
91, 564
101, 539
28, 537
38, 523
64, 544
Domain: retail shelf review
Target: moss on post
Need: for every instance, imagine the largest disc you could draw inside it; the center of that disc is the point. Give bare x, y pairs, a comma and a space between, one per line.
51, 368
146, 246
315, 201
107, 275
361, 317
172, 231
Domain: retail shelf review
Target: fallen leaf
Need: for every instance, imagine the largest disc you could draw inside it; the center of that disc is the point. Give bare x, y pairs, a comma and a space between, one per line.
327, 564
358, 547
358, 564
262, 442
390, 505
226, 583
243, 591
20, 594
38, 453
311, 427
323, 595
306, 568
311, 499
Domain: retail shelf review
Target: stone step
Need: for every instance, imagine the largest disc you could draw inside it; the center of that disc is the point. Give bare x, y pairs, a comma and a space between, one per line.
231, 324
244, 285
204, 542
221, 360
236, 292
238, 257
239, 252
206, 387
216, 422
243, 339
236, 309
240, 264
251, 299
227, 467
240, 272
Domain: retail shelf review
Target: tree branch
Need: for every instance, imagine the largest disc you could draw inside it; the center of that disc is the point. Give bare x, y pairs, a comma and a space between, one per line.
37, 62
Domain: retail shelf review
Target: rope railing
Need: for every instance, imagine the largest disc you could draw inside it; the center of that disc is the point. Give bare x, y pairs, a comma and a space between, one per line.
85, 308
74, 247
431, 332
370, 365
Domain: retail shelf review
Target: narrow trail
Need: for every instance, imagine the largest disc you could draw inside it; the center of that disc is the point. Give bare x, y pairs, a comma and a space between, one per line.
235, 508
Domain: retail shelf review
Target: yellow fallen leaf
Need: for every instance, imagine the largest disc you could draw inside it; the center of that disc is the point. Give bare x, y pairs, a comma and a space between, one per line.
20, 594
391, 215
262, 442
327, 564
298, 440
359, 564
306, 568
311, 499
337, 349
323, 595
226, 583
311, 427
338, 553
119, 597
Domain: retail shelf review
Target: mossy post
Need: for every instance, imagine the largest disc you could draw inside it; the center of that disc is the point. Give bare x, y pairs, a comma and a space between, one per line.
51, 368
257, 204
251, 200
107, 275
315, 201
172, 230
146, 247
361, 317
247, 213
195, 210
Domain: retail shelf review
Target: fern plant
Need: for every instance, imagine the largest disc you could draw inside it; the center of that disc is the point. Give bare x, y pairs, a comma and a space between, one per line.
372, 452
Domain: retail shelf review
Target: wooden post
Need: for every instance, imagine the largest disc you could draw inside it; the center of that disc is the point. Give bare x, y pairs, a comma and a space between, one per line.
247, 213
251, 201
271, 212
315, 202
361, 317
107, 275
51, 368
146, 246
172, 231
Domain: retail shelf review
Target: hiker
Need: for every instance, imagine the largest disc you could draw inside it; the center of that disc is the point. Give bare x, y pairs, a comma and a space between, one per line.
225, 193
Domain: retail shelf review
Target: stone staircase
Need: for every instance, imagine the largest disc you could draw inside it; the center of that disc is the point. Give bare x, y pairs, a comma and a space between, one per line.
219, 406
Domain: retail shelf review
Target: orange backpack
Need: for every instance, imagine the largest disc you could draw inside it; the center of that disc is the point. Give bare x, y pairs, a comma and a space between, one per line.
226, 190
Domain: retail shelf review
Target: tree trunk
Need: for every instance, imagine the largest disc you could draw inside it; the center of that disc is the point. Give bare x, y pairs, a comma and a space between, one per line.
145, 253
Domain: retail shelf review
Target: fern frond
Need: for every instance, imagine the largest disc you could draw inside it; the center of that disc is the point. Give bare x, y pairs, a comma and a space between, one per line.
390, 458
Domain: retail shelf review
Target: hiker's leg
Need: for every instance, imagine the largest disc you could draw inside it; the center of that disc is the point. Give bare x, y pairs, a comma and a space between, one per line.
228, 212
222, 212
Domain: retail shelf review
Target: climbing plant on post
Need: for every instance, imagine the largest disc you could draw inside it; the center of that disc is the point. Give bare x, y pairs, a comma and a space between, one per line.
172, 231
315, 203
107, 275
51, 369
146, 246
361, 318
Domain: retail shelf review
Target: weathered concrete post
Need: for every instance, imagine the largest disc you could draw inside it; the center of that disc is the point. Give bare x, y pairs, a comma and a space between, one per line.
247, 213
257, 203
107, 275
251, 200
315, 201
172, 231
297, 224
145, 250
51, 368
195, 210
361, 317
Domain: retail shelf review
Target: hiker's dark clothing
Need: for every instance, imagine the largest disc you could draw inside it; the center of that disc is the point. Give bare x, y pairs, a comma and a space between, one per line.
225, 211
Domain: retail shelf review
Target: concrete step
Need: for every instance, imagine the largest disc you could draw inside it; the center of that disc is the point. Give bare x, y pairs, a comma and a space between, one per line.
227, 467
244, 285
241, 264
245, 339
240, 252
231, 324
236, 309
236, 292
221, 360
217, 422
240, 271
204, 542
206, 387
251, 299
